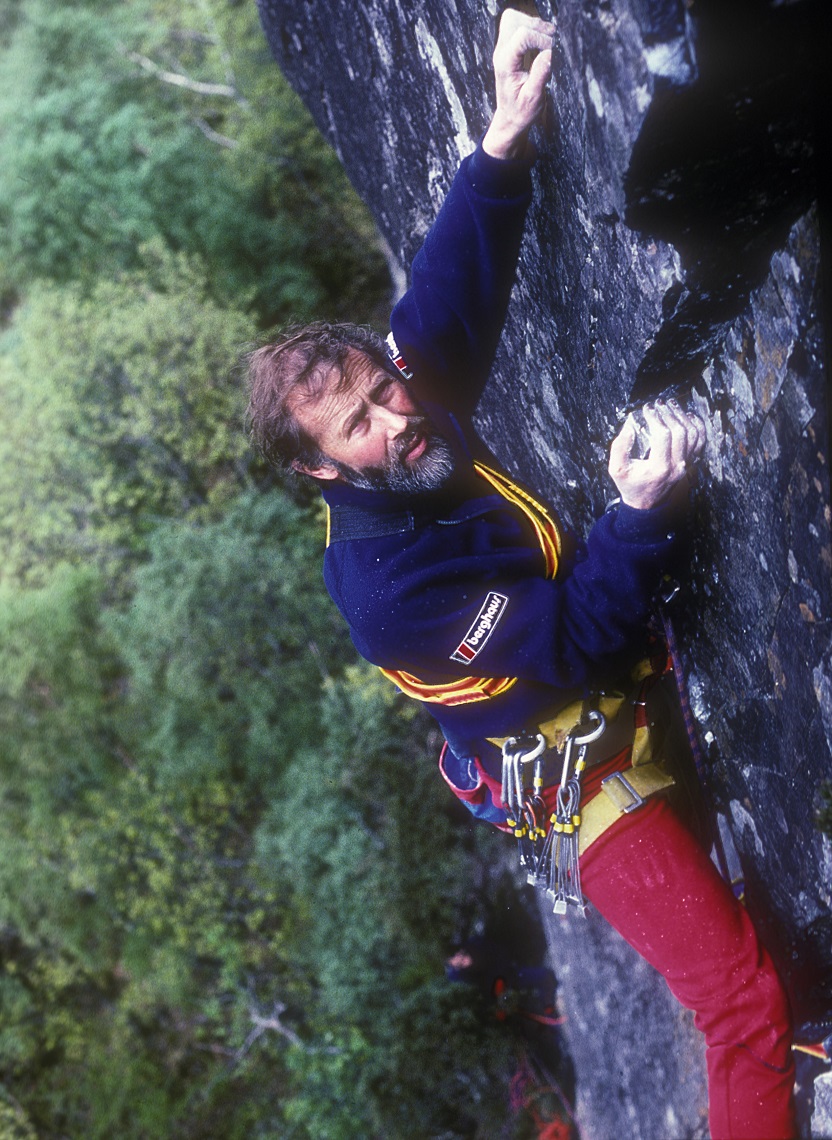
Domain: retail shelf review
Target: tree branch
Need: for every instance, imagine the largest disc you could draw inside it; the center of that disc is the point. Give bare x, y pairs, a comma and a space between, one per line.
215, 136
261, 1025
224, 90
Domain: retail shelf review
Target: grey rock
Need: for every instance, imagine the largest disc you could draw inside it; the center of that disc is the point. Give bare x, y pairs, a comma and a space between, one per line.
638, 1058
822, 1115
674, 240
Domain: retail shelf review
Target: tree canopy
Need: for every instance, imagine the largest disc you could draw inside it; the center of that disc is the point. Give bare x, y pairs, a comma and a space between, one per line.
229, 877
102, 151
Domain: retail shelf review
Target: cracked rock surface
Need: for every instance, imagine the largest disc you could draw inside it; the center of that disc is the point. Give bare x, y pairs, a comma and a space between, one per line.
674, 241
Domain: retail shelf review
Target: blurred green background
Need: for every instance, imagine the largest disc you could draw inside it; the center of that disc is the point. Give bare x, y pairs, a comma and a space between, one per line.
229, 875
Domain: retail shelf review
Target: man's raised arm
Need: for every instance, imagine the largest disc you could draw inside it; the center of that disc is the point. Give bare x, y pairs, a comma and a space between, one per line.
448, 324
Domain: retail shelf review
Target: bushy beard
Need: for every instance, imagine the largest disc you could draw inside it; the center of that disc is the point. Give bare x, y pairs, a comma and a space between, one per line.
429, 472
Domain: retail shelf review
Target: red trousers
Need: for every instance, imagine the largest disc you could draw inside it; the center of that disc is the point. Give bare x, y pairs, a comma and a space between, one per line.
652, 881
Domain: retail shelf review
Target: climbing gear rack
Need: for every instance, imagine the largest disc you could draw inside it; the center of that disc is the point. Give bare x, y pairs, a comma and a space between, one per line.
550, 855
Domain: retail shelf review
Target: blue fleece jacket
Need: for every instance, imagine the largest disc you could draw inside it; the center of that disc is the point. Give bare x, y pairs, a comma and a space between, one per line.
427, 567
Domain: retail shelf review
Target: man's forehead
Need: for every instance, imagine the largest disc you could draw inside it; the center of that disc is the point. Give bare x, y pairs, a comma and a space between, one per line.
357, 368
329, 391
336, 379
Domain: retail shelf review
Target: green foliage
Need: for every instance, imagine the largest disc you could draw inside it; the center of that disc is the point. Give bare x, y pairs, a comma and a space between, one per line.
196, 949
364, 833
236, 946
119, 409
229, 875
228, 637
137, 937
57, 673
99, 155
14, 1123
140, 1029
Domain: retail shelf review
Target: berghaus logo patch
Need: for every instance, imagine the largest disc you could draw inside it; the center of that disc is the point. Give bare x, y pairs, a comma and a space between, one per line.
482, 627
397, 358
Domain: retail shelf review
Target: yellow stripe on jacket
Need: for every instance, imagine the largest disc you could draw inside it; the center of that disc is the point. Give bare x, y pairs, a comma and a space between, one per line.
466, 690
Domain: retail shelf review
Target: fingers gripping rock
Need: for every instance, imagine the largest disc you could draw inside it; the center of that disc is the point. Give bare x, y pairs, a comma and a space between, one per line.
674, 441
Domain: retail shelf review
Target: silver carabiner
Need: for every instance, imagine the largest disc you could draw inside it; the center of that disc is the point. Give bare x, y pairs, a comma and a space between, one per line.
573, 740
514, 757
592, 736
525, 756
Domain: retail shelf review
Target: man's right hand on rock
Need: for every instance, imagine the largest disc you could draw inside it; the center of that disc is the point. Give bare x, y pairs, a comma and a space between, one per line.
675, 439
521, 93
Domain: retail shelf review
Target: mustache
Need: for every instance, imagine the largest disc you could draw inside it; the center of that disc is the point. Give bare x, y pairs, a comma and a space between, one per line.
418, 429
429, 472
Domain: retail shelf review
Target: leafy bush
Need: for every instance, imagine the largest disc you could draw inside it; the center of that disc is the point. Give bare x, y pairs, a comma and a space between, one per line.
98, 156
121, 409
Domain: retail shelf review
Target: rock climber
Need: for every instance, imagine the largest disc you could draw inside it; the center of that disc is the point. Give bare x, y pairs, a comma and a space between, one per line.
529, 647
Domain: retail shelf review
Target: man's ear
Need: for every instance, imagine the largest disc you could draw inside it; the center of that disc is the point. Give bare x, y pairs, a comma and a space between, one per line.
325, 471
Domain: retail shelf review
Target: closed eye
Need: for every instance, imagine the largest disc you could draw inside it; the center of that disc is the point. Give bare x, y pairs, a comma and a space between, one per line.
381, 394
383, 391
357, 422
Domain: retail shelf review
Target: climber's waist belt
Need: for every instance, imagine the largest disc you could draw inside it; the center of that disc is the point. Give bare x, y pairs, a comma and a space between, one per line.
628, 720
618, 734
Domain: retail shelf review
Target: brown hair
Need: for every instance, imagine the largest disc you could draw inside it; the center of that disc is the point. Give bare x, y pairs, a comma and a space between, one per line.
300, 360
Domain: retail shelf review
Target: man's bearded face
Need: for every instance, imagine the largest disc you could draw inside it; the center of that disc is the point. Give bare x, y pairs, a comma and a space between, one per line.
371, 432
405, 471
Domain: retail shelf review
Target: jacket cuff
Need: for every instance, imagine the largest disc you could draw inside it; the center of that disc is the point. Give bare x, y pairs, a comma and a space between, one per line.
646, 527
499, 177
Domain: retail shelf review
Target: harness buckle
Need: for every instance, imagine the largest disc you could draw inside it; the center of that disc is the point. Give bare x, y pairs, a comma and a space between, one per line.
621, 792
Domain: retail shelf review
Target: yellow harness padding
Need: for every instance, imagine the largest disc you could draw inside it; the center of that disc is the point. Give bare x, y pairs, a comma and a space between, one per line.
617, 735
557, 728
612, 802
466, 690
623, 791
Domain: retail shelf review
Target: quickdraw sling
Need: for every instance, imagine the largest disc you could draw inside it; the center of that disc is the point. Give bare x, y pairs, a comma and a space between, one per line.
550, 857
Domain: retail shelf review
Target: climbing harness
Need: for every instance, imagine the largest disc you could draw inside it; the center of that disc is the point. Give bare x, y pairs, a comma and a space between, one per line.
549, 856
552, 842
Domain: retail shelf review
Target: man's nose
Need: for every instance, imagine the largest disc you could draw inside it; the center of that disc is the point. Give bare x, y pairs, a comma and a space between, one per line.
394, 423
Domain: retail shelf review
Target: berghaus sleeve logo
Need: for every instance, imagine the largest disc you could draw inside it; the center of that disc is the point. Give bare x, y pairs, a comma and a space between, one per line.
397, 358
482, 627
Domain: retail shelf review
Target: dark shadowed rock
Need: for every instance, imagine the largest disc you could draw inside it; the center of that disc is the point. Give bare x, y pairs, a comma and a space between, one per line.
674, 240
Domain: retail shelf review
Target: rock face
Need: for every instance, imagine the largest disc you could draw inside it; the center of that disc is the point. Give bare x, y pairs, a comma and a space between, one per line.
674, 240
